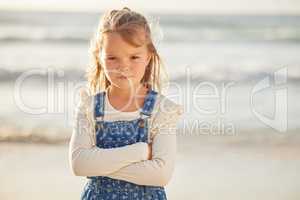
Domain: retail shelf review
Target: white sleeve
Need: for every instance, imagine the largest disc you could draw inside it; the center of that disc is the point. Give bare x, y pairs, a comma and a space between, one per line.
87, 159
159, 169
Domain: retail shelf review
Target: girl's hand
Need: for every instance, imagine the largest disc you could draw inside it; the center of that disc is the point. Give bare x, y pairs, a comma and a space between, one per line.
149, 151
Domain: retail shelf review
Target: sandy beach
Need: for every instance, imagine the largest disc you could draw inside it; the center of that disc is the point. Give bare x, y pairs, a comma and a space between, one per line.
207, 168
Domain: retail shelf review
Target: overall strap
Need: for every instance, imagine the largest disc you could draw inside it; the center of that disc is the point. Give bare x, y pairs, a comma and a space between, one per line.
149, 103
147, 109
99, 99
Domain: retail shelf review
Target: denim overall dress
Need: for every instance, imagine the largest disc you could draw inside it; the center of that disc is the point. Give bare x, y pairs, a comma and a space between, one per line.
112, 134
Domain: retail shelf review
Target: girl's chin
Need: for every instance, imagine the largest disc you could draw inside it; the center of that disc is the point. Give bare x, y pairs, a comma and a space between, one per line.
125, 83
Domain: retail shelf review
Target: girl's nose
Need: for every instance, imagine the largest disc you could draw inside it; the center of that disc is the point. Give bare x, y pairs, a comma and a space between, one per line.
124, 70
124, 66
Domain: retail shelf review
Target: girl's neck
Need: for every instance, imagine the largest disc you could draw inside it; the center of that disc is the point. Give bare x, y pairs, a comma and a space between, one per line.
127, 94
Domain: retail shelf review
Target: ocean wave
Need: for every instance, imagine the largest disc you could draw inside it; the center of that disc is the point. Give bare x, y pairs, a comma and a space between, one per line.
47, 39
213, 74
170, 35
79, 27
11, 75
38, 134
224, 74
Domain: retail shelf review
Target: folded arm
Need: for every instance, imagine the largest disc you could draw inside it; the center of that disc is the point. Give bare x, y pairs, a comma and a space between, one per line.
87, 159
159, 169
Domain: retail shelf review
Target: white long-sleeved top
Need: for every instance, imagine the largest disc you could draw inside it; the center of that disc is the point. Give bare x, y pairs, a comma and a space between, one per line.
128, 162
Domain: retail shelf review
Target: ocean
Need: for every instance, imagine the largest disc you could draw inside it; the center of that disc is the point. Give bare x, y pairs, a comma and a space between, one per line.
221, 56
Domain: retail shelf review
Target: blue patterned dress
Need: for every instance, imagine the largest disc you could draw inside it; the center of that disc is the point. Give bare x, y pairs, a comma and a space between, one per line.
111, 134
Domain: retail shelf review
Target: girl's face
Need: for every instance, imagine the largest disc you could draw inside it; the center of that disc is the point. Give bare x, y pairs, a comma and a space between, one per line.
124, 65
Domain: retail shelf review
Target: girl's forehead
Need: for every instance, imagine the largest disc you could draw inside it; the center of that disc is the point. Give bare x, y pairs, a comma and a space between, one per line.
114, 43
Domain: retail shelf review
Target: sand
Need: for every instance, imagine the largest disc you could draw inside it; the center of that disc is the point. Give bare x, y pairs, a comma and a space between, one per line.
205, 170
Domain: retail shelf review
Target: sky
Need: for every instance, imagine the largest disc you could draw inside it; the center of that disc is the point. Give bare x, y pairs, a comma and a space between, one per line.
166, 6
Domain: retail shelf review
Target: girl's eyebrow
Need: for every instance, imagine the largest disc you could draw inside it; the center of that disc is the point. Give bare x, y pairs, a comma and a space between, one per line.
136, 53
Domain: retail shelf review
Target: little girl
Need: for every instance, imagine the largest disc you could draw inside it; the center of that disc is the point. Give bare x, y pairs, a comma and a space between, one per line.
124, 136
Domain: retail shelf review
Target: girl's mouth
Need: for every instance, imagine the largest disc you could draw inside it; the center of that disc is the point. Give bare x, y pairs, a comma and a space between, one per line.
124, 77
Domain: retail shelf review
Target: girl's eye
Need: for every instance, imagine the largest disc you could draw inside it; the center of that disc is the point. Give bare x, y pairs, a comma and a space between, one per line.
135, 57
111, 58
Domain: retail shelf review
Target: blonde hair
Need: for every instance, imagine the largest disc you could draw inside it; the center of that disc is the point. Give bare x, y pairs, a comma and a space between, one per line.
128, 24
